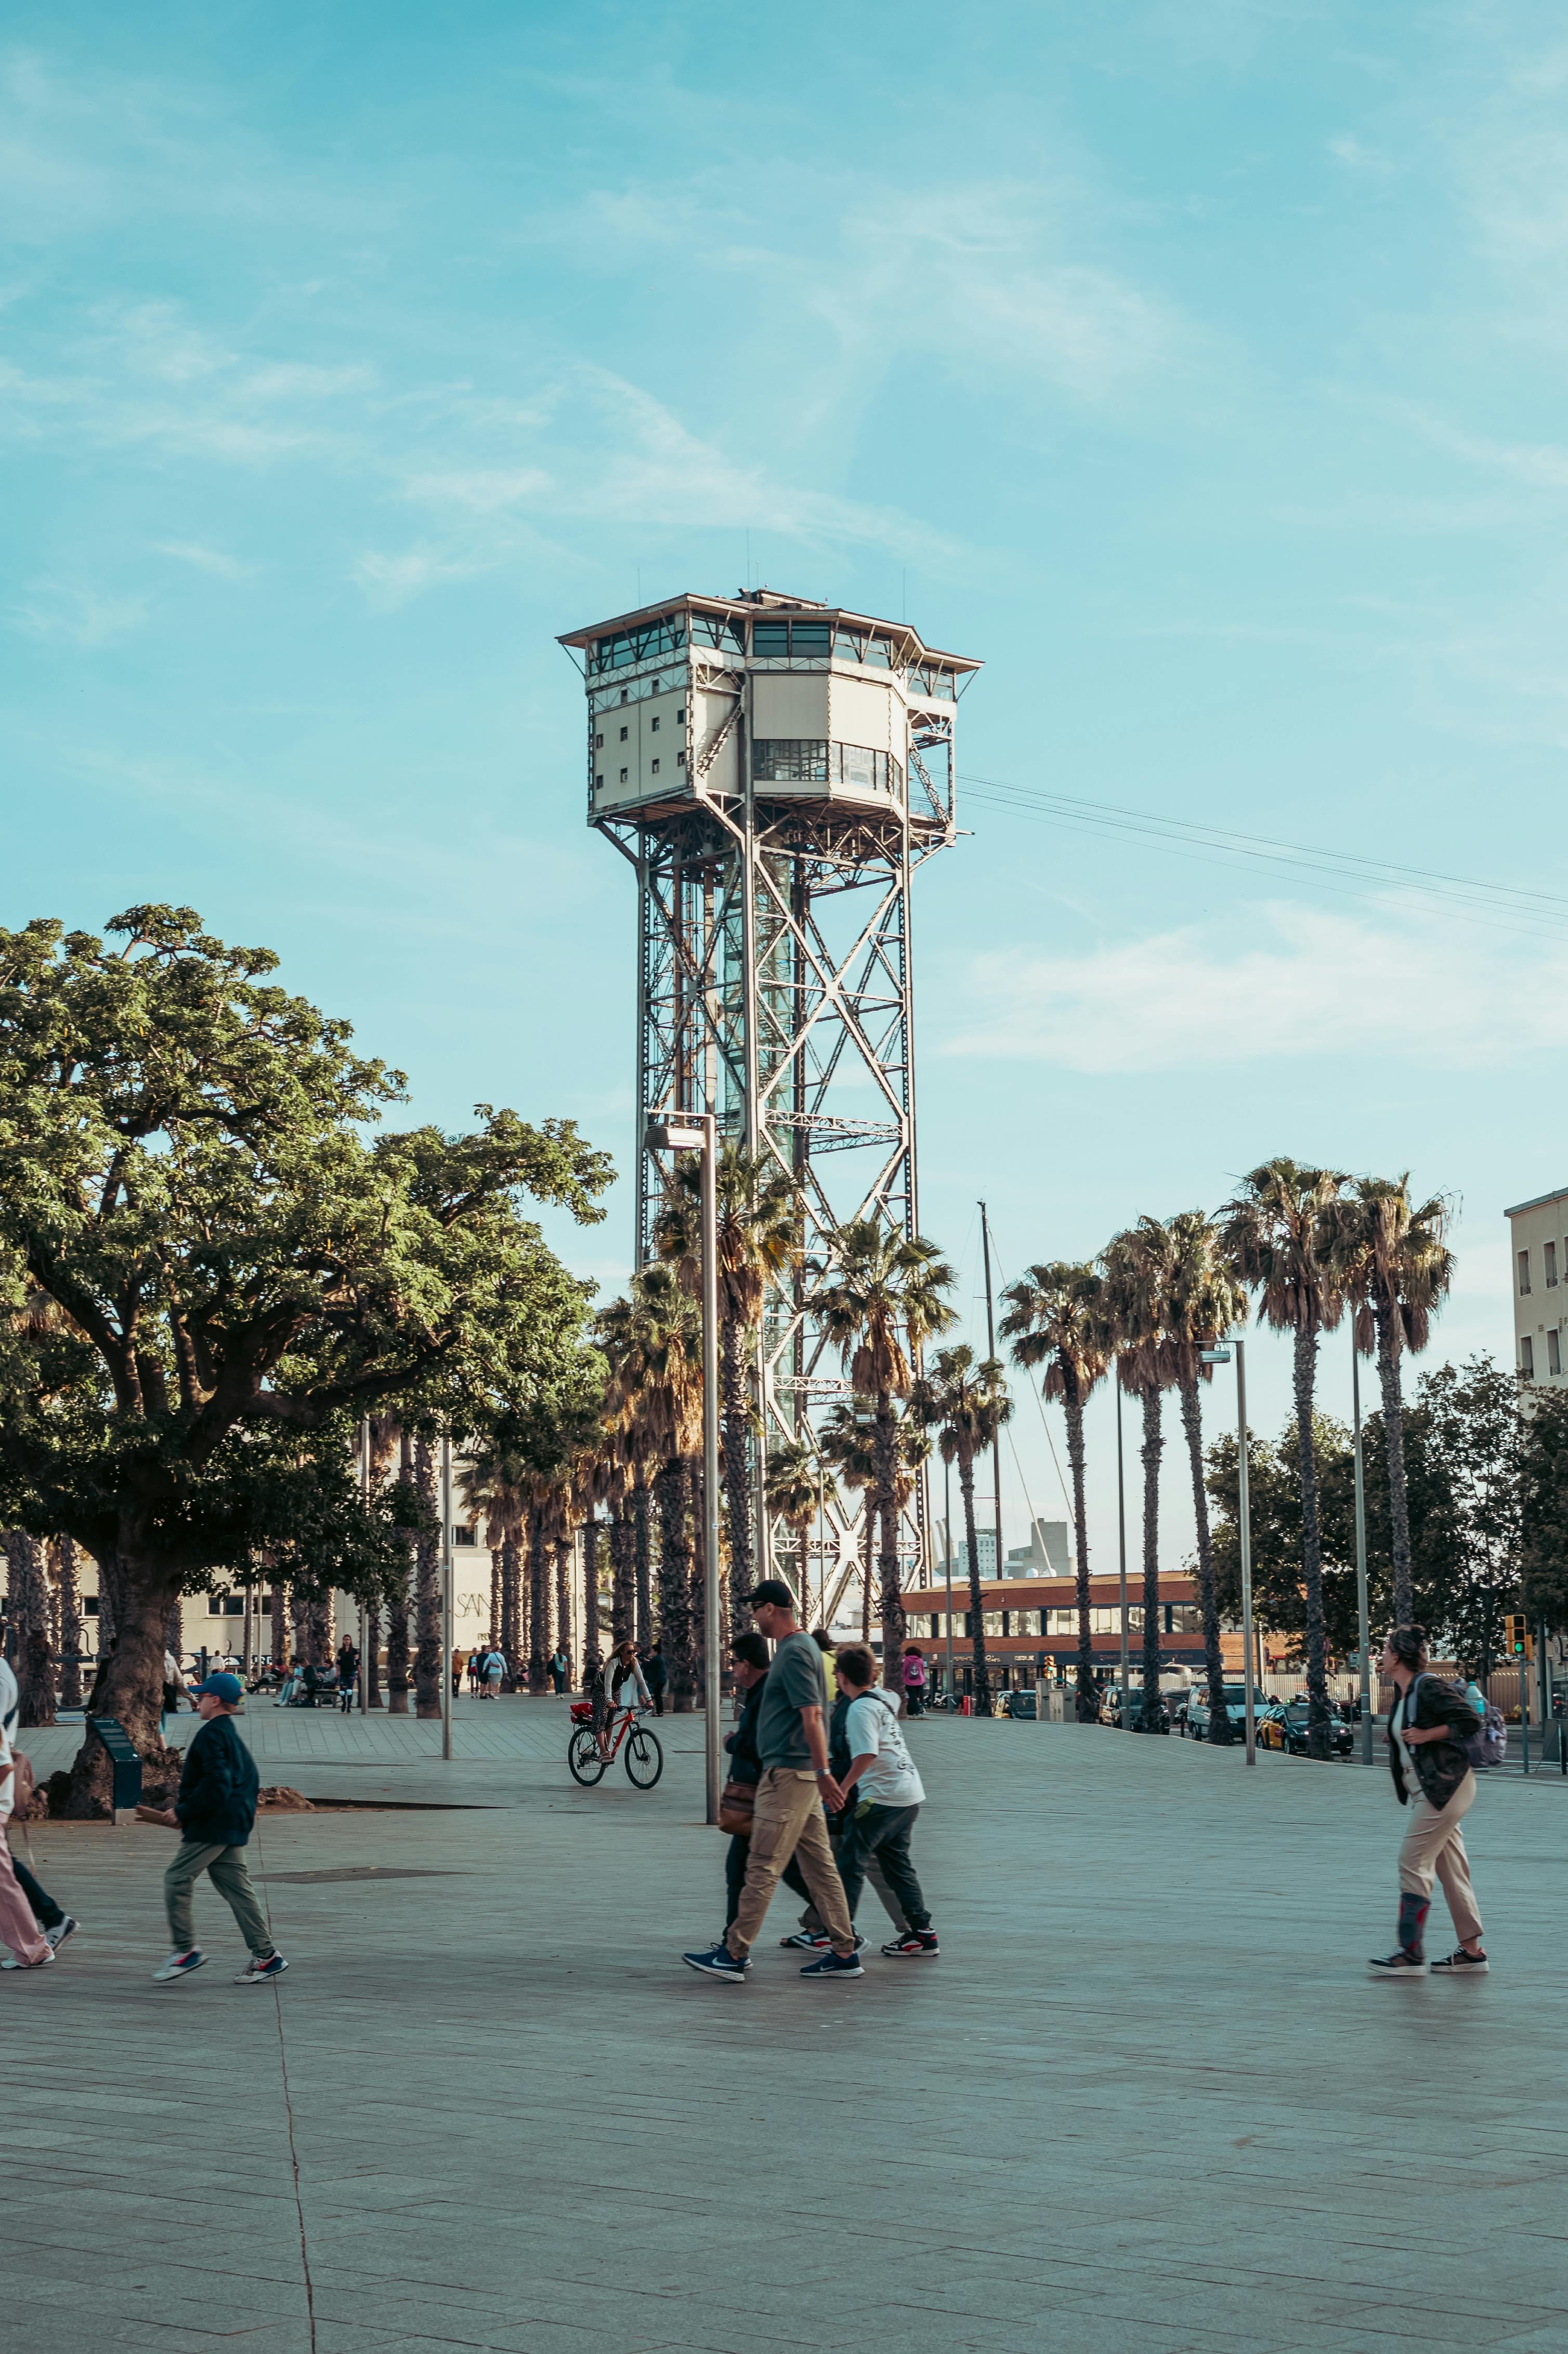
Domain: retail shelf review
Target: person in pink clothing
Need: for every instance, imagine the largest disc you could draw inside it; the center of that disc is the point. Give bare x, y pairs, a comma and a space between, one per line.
915, 1679
17, 1926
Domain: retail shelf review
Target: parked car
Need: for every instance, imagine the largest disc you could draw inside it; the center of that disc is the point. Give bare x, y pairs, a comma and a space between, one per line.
1198, 1714
1110, 1707
1284, 1726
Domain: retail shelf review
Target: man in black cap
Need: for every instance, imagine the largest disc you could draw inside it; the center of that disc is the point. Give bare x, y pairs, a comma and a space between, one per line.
792, 1746
216, 1810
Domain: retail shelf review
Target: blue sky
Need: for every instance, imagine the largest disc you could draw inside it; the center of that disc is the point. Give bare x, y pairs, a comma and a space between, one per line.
1205, 377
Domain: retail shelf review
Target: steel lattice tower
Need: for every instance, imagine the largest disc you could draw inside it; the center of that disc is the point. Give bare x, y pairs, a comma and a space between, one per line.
775, 770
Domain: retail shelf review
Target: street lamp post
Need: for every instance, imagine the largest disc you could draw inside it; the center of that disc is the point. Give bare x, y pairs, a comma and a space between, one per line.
1121, 1550
1220, 1356
446, 1595
698, 1132
1363, 1615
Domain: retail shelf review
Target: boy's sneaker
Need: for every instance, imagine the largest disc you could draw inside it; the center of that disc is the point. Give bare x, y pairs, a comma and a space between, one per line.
717, 1962
835, 1966
1398, 1965
180, 1966
1459, 1965
60, 1932
259, 1972
918, 1941
816, 1941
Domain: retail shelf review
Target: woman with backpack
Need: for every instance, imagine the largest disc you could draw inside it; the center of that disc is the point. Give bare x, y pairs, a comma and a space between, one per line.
1430, 1728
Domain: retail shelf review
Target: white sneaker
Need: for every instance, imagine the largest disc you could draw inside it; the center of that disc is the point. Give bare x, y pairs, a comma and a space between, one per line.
61, 1931
180, 1966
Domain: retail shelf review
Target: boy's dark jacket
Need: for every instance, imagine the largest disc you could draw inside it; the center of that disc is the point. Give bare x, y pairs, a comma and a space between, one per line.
217, 1804
1440, 1765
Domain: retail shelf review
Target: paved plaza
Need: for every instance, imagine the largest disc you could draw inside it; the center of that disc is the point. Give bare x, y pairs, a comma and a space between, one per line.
1147, 2098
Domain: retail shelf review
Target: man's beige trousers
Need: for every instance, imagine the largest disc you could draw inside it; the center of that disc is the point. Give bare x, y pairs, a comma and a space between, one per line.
787, 1822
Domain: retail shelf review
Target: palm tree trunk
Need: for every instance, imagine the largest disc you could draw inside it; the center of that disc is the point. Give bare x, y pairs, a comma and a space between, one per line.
70, 1623
1306, 1375
276, 1627
624, 1571
890, 1599
397, 1609
510, 1645
563, 1600
867, 1548
736, 1482
1088, 1704
591, 1653
28, 1603
539, 1600
1393, 1438
645, 1559
1153, 1447
1214, 1665
427, 1592
495, 1635
981, 1677
373, 1656
671, 1493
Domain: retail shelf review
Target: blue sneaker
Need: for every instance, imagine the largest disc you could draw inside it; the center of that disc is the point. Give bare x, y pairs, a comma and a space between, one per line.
180, 1966
718, 1962
835, 1966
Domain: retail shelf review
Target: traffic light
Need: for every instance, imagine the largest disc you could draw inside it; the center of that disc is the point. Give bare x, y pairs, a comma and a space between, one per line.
1517, 1638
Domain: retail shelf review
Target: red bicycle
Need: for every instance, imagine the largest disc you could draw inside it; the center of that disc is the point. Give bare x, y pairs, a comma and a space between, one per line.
644, 1757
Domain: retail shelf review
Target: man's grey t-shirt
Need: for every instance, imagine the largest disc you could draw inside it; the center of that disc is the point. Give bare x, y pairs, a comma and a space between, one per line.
795, 1681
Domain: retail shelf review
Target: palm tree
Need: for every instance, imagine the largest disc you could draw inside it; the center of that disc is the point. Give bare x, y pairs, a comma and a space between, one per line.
1058, 1319
1279, 1234
967, 1403
1137, 1265
758, 1241
653, 1341
1204, 1297
494, 1486
1392, 1260
885, 1302
793, 1491
27, 1604
848, 1444
66, 1588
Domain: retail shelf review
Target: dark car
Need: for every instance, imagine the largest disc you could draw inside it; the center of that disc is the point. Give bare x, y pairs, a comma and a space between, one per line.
1110, 1708
1285, 1726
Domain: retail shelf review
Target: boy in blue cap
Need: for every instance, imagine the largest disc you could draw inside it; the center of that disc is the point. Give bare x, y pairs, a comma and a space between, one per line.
216, 1810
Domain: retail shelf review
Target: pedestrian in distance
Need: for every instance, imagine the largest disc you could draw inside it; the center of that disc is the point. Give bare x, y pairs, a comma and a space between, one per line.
1428, 1727
914, 1678
494, 1669
30, 1948
792, 1788
476, 1668
347, 1673
884, 1794
560, 1665
215, 1813
658, 1677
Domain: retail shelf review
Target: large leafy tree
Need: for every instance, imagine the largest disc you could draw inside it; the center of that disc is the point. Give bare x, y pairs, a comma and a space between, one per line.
758, 1241
1058, 1319
1391, 1259
1279, 1234
1543, 1507
886, 1298
965, 1400
241, 1267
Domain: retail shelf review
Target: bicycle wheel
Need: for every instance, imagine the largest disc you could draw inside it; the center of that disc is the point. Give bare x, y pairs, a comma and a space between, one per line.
644, 1758
583, 1757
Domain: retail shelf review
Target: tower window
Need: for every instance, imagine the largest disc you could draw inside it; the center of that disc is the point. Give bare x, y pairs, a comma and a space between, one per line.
653, 726
598, 741
626, 694
623, 775
681, 759
599, 779
1524, 1274
623, 739
1550, 1255
655, 768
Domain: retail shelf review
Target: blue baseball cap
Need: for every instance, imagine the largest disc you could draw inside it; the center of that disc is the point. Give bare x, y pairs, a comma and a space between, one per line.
224, 1687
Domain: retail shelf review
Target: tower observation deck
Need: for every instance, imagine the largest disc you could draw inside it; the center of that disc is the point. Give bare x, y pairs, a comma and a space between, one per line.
775, 770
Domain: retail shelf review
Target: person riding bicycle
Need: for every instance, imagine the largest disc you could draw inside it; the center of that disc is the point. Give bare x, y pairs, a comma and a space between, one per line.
620, 1676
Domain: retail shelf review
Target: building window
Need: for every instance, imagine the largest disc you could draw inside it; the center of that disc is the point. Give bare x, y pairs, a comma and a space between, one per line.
680, 759
655, 772
653, 730
789, 760
464, 1536
1554, 1353
623, 739
597, 781
1550, 1255
1524, 1274
599, 747
681, 716
624, 774
770, 639
1527, 1357
626, 694
90, 1606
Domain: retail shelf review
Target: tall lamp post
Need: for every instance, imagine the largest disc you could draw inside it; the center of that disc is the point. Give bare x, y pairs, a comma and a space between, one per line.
698, 1132
1122, 1560
1220, 1356
446, 1595
1363, 1616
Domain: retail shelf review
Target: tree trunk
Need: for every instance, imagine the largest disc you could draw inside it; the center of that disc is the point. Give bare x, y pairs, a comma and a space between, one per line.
29, 1605
981, 1694
1306, 1374
278, 1631
1214, 1665
890, 1599
70, 1623
564, 1601
623, 1576
644, 1550
511, 1644
538, 1601
867, 1555
133, 1692
737, 1483
494, 1636
1393, 1438
1088, 1706
373, 1657
108, 1600
397, 1610
427, 1592
1153, 1447
672, 1494
320, 1627
592, 1655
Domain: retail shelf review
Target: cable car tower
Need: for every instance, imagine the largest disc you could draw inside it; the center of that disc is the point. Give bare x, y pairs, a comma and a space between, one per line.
775, 770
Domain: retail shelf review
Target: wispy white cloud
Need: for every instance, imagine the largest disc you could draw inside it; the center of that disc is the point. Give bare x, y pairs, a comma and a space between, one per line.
1316, 986
80, 617
207, 559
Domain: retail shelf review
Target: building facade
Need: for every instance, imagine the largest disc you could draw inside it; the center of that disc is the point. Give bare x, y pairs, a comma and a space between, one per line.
1539, 1233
